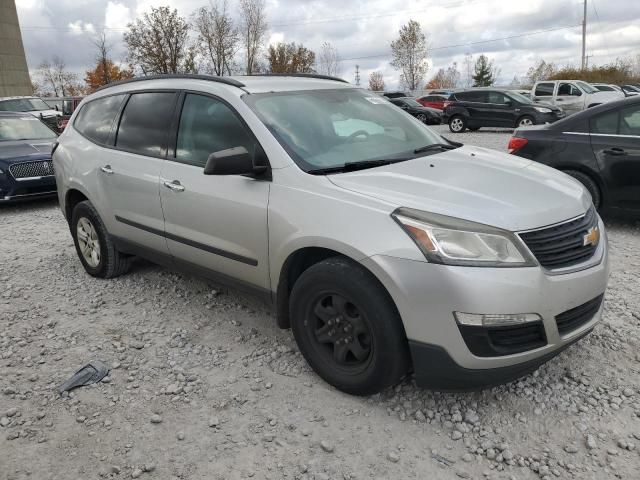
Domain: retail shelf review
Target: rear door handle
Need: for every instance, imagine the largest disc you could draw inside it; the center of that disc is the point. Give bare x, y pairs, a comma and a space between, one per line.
615, 151
175, 185
107, 169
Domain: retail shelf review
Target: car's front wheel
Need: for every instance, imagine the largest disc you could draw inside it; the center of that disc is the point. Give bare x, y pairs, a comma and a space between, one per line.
422, 117
526, 121
457, 124
348, 328
95, 248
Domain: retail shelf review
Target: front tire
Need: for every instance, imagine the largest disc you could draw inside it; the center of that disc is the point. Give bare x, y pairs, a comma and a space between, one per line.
526, 121
94, 246
422, 117
348, 328
590, 185
457, 124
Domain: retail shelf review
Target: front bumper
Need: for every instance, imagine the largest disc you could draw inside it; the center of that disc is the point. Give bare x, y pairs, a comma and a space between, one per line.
12, 190
427, 294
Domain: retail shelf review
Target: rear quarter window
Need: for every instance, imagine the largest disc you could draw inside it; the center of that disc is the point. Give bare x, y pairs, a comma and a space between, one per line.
96, 117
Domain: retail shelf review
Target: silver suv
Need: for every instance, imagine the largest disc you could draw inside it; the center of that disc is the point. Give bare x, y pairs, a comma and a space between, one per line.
385, 247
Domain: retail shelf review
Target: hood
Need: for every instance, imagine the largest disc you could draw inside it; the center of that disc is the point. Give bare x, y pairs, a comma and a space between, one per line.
475, 184
22, 150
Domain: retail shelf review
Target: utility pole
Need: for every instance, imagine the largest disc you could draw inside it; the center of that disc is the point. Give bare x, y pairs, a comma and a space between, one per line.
357, 75
584, 36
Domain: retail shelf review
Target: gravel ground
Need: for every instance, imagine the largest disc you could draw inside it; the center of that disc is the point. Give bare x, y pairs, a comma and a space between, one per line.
496, 138
204, 386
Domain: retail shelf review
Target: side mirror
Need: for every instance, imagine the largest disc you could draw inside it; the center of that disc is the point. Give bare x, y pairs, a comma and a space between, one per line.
508, 103
233, 161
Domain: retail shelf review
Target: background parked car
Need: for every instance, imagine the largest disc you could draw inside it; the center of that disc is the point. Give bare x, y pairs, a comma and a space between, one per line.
571, 95
430, 116
630, 90
599, 147
32, 105
478, 108
26, 170
606, 87
396, 94
446, 92
433, 101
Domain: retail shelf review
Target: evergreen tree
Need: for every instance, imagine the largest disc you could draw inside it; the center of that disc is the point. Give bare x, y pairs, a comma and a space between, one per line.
484, 69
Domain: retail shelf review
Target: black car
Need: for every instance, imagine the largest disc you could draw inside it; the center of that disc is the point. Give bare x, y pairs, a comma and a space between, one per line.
599, 147
427, 115
26, 170
395, 94
478, 108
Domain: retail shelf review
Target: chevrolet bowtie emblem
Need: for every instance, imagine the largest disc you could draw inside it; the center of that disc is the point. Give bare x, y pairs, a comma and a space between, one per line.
592, 237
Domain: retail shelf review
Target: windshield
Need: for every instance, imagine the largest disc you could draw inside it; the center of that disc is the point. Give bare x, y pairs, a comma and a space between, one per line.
24, 105
329, 128
23, 128
586, 87
519, 98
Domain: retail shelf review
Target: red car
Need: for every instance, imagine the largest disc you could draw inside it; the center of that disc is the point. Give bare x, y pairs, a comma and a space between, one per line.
433, 101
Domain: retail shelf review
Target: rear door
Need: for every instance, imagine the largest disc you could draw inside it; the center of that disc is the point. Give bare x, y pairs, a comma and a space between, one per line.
544, 91
615, 139
212, 221
130, 171
475, 102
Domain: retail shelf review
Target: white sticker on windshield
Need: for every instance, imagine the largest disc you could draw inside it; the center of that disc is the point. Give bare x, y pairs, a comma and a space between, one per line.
376, 100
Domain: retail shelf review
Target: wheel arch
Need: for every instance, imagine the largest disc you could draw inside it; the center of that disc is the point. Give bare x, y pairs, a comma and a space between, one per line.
72, 197
525, 115
300, 260
564, 167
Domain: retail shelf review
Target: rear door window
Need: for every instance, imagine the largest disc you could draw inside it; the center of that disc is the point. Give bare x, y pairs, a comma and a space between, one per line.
544, 90
606, 124
95, 119
478, 97
144, 125
623, 122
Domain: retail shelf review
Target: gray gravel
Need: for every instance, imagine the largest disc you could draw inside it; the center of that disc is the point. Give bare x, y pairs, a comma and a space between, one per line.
204, 386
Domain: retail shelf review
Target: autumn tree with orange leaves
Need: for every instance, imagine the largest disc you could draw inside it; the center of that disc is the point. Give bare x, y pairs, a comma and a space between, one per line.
105, 71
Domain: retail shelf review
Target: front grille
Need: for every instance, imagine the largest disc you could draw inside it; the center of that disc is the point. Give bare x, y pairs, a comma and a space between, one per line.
563, 245
576, 317
42, 168
500, 341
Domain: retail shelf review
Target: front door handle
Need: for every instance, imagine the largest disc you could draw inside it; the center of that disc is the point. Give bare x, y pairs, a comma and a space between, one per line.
175, 185
107, 169
615, 151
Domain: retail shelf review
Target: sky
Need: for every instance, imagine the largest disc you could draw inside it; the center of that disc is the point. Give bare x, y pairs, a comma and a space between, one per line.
514, 33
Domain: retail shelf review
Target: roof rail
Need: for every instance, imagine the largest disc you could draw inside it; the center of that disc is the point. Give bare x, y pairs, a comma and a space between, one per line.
301, 75
186, 76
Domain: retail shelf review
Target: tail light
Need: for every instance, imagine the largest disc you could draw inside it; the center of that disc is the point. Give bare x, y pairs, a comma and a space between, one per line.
517, 143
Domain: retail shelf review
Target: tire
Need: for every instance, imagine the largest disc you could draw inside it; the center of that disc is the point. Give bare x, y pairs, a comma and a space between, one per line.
590, 185
368, 354
108, 262
422, 117
525, 121
457, 124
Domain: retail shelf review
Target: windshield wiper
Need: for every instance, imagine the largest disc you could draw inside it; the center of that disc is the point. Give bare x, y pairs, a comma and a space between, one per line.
353, 166
435, 146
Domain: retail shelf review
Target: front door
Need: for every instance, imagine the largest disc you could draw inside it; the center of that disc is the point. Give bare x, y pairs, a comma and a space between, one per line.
215, 222
615, 139
130, 172
501, 110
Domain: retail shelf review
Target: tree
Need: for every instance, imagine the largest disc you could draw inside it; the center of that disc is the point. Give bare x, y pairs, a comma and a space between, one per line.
157, 42
290, 58
329, 60
449, 78
56, 80
253, 26
217, 36
541, 71
409, 53
484, 72
97, 77
376, 81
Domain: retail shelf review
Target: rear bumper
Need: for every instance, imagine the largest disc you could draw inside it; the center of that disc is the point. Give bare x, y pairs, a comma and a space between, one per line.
436, 369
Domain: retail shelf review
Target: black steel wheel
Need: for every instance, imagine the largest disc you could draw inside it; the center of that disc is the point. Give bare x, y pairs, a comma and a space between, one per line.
348, 328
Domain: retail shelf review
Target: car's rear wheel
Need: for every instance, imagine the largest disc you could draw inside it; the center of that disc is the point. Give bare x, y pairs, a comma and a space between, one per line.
347, 327
457, 124
422, 117
590, 184
526, 121
94, 246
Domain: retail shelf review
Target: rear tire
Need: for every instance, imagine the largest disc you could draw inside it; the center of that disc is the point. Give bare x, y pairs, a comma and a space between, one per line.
590, 185
457, 124
94, 246
348, 328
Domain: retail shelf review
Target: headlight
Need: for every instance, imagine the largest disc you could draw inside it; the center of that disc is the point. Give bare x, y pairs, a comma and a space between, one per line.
453, 241
543, 109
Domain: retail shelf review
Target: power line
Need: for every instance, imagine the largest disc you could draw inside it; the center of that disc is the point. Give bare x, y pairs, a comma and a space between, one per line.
479, 42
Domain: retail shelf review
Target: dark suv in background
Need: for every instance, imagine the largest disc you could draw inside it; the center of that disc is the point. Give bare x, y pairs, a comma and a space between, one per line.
478, 108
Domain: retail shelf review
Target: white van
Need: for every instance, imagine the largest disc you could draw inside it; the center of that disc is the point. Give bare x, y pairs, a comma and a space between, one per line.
572, 95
